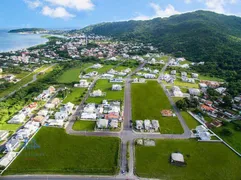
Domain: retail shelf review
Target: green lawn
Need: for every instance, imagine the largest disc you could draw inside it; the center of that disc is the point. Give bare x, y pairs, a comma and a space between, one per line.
105, 86
74, 96
147, 102
202, 77
205, 161
9, 127
234, 140
191, 122
164, 58
84, 125
179, 82
72, 75
52, 151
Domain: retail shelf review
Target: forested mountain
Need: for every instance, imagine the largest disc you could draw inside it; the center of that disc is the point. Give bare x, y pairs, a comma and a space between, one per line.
198, 36
24, 30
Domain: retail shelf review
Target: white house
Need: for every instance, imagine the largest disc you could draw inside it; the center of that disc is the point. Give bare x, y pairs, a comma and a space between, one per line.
203, 133
58, 123
155, 125
114, 124
173, 72
177, 91
220, 90
102, 123
139, 124
86, 116
183, 74
97, 66
147, 125
116, 87
3, 135
62, 115
23, 134
17, 119
89, 108
149, 76
83, 83
116, 80
5, 160
107, 76
43, 112
12, 144
97, 93
194, 75
193, 91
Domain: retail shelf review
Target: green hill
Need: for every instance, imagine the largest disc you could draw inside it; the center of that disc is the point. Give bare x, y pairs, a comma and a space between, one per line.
24, 30
198, 36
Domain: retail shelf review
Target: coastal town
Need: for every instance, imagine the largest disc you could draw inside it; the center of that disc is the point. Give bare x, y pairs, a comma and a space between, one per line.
94, 86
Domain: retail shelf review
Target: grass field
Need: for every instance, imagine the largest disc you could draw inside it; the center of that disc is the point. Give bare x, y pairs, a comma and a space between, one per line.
205, 161
234, 140
179, 82
84, 125
102, 70
72, 75
202, 77
147, 101
105, 86
74, 96
52, 151
191, 122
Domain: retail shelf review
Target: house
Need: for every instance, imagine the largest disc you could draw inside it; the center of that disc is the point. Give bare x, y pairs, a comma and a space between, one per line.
97, 93
177, 91
43, 112
62, 115
87, 116
89, 108
183, 74
166, 113
177, 159
194, 92
139, 124
211, 84
195, 75
114, 124
173, 72
203, 85
202, 133
12, 144
97, 66
23, 134
208, 108
57, 123
147, 125
9, 77
3, 135
221, 90
112, 116
116, 80
102, 123
40, 119
17, 119
116, 87
82, 84
107, 76
155, 125
149, 76
5, 160
68, 108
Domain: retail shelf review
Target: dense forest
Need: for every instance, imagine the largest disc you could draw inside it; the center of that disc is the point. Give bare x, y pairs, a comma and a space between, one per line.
197, 36
26, 30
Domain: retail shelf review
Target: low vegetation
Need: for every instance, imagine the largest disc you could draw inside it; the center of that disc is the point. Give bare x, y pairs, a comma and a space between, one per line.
52, 151
204, 161
80, 125
147, 102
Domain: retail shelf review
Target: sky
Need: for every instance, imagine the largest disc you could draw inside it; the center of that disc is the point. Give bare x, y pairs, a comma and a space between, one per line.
80, 13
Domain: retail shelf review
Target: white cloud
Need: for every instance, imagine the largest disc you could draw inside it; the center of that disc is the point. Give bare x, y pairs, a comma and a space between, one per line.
159, 12
187, 1
58, 12
33, 4
73, 4
217, 5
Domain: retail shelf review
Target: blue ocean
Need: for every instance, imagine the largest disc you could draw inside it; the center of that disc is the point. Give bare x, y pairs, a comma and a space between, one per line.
12, 41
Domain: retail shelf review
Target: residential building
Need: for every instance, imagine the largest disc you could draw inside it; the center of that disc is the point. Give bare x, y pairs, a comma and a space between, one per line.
17, 119
147, 125
3, 135
102, 123
195, 75
114, 124
12, 144
139, 124
116, 87
82, 84
155, 125
97, 93
167, 113
194, 92
5, 160
177, 91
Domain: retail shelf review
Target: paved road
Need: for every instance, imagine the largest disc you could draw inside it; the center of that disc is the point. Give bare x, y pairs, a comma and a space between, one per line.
25, 85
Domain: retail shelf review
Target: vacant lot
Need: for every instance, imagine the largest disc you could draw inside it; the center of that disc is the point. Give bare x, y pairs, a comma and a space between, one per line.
191, 122
105, 86
52, 151
147, 102
72, 75
205, 161
234, 139
102, 70
74, 96
179, 82
84, 125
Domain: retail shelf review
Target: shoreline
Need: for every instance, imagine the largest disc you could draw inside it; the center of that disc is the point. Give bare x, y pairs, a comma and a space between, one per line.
23, 48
